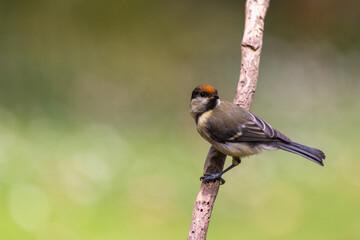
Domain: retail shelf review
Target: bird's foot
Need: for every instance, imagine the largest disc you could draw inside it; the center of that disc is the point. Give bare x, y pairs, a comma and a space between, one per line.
207, 177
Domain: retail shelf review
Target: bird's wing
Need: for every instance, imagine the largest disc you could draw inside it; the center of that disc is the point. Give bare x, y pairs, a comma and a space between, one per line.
253, 130
258, 130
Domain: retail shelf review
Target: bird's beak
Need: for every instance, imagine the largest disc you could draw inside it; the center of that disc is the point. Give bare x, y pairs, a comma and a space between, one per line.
216, 96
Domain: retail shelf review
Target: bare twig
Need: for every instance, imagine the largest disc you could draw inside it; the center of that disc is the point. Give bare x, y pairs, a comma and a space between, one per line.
250, 59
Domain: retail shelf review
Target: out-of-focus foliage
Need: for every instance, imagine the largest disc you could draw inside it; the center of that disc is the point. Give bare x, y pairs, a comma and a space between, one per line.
95, 137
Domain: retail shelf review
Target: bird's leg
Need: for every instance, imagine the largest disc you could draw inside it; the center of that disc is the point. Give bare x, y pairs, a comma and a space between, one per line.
217, 176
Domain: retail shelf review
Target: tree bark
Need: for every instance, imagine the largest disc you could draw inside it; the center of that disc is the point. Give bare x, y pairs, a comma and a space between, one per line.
255, 11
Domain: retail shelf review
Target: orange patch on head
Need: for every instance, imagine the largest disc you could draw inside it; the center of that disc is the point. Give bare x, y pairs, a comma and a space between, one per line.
208, 88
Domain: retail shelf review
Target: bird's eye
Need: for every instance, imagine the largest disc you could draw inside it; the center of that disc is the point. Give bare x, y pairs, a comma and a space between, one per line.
202, 94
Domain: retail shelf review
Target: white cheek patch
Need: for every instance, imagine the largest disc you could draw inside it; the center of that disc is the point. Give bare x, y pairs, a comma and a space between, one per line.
217, 102
198, 105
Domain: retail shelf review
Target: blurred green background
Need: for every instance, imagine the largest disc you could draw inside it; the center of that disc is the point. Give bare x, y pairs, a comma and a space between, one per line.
96, 141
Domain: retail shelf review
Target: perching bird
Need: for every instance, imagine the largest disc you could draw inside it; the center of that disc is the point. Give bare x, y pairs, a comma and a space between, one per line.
238, 133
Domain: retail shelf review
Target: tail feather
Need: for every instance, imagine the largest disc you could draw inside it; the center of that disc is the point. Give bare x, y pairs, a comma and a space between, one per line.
310, 153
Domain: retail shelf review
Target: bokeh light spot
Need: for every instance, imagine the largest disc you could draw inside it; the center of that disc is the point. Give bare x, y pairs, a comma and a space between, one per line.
29, 206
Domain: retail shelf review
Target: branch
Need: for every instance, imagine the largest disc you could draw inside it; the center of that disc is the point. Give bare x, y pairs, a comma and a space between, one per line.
255, 11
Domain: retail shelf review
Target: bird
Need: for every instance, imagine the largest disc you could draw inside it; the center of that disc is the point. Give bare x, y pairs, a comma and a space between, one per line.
238, 133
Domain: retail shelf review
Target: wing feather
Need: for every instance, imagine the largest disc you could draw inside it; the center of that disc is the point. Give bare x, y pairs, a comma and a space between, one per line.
253, 130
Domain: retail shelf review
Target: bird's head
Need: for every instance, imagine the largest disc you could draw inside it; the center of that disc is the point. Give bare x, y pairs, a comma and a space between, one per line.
203, 98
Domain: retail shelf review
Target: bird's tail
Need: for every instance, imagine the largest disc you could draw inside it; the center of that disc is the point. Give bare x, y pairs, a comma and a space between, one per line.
310, 153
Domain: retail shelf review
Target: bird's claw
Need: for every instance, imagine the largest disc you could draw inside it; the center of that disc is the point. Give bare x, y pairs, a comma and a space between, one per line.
207, 177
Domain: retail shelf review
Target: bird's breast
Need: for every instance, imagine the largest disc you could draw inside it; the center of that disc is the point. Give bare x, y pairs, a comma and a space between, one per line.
201, 125
201, 122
